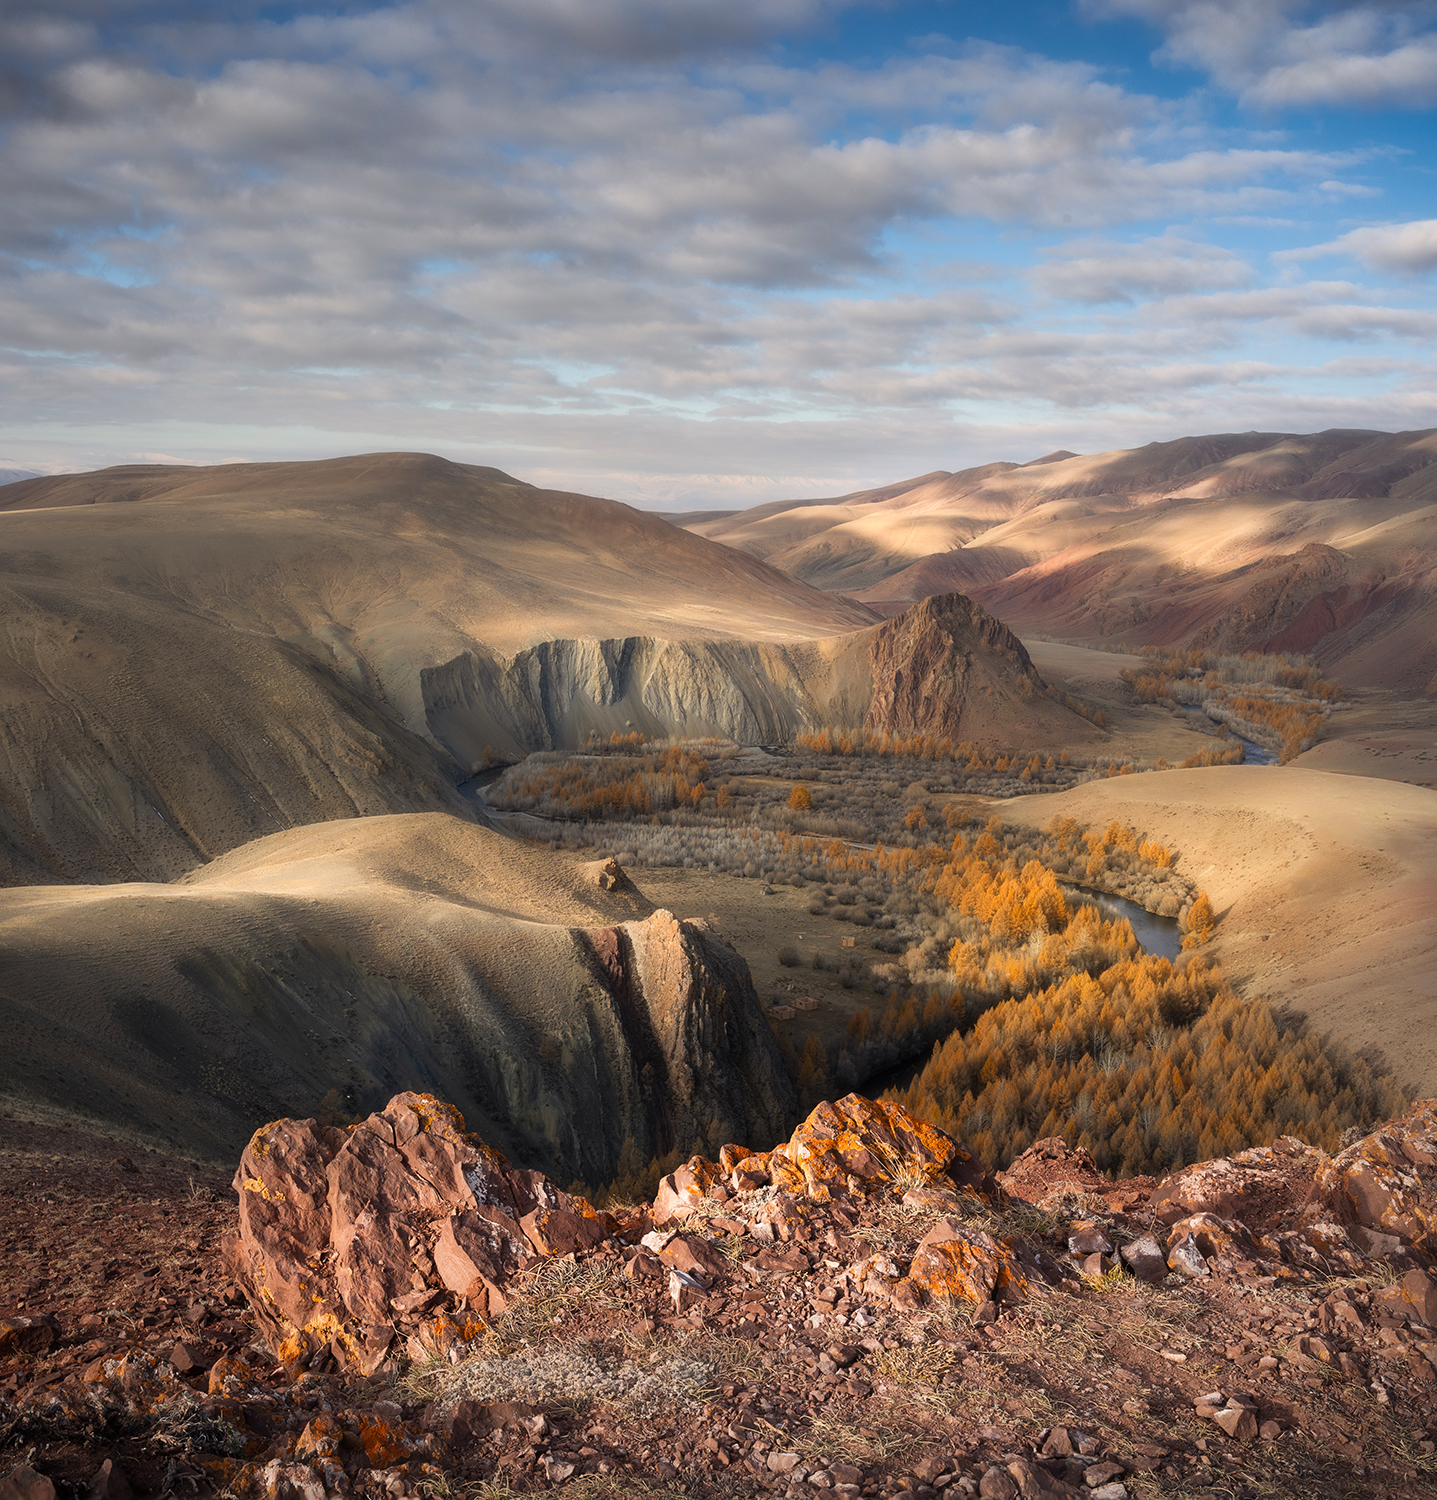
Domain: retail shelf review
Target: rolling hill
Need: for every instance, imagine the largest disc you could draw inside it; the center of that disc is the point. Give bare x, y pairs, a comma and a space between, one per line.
359, 956
191, 659
1325, 543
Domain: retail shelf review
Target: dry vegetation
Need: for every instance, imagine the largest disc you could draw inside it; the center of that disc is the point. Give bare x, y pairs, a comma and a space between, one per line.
1044, 1016
1280, 702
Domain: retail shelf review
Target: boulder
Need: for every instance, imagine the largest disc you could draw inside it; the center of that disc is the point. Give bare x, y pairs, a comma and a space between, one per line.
1186, 1259
1387, 1181
1086, 1238
955, 1260
23, 1483
1413, 1298
1050, 1169
22, 1335
402, 1225
1145, 1259
1214, 1237
695, 1256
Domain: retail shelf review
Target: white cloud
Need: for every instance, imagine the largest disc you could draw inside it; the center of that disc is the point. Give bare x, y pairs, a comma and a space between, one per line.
1408, 249
1098, 271
1270, 53
624, 237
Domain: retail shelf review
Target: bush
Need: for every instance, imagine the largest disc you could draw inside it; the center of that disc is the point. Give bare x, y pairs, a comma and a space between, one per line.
790, 958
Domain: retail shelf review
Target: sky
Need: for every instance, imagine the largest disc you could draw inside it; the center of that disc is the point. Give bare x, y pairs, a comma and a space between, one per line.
709, 253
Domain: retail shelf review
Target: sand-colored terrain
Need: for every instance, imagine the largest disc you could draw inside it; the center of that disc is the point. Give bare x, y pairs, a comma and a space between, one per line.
194, 658
1380, 733
1138, 732
376, 954
1324, 543
1326, 886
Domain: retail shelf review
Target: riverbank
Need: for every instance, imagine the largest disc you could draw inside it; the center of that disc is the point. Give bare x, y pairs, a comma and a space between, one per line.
1324, 885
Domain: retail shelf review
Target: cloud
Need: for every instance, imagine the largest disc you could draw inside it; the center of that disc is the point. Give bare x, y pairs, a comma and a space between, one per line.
1269, 53
1407, 249
1098, 271
632, 237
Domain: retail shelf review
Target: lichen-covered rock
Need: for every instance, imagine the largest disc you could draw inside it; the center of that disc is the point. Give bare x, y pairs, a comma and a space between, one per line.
1387, 1181
404, 1224
854, 1145
953, 1260
681, 1191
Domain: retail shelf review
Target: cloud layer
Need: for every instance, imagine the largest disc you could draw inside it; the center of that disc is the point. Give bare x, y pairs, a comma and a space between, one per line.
637, 246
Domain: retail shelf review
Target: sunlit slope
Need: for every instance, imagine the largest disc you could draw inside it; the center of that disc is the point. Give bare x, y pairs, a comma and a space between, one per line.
372, 955
1324, 887
1324, 543
192, 658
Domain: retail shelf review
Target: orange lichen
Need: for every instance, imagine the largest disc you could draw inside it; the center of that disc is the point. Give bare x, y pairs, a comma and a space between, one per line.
384, 1446
255, 1185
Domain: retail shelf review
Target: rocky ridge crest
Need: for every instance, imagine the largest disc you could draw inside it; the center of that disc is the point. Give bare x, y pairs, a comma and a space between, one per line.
861, 1310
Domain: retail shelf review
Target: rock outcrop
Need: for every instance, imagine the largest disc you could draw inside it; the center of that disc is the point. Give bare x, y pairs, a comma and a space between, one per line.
865, 1275
403, 1225
402, 1232
938, 666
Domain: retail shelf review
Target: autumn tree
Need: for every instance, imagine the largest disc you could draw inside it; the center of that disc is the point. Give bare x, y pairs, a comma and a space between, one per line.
799, 799
1201, 922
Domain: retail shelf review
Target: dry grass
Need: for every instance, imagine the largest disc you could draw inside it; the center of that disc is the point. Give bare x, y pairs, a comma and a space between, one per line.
732, 1359
542, 1294
866, 1442
618, 1487
1111, 1281
909, 1366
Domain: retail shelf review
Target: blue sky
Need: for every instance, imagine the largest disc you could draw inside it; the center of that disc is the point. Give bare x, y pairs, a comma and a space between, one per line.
710, 252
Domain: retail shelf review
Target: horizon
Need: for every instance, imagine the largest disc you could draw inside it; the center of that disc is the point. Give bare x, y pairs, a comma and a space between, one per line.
709, 256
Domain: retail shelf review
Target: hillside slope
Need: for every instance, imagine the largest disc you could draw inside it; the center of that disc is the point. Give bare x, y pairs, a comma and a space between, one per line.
1325, 886
374, 954
1325, 543
193, 658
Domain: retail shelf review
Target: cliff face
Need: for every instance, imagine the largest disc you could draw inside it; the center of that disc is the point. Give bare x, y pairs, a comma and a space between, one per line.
706, 1060
944, 667
194, 658
554, 695
380, 954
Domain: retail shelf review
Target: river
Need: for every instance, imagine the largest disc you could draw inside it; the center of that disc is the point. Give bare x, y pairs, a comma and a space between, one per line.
1253, 753
1157, 935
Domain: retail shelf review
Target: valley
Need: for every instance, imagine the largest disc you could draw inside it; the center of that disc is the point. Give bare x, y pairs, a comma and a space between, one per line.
646, 846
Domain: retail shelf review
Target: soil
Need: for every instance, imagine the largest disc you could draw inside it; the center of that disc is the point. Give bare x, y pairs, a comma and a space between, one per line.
757, 1383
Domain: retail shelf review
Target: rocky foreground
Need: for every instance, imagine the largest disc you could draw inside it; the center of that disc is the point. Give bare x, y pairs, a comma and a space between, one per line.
861, 1311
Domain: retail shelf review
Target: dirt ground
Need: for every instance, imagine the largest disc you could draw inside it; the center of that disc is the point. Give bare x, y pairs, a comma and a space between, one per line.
1381, 734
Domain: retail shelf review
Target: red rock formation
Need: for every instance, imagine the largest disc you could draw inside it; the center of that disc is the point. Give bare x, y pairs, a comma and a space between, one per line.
404, 1224
928, 662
